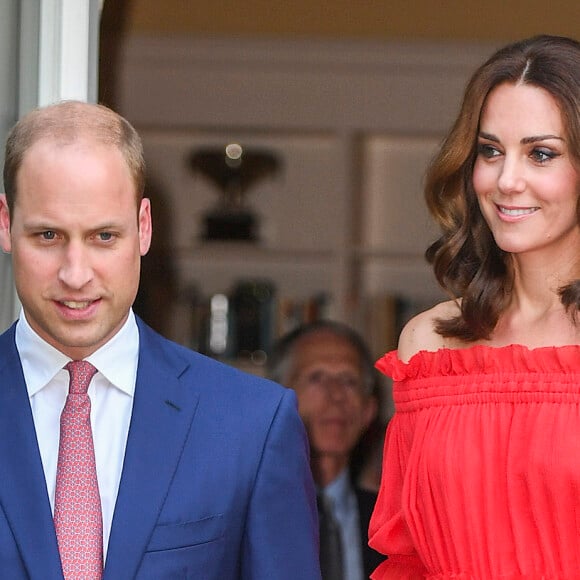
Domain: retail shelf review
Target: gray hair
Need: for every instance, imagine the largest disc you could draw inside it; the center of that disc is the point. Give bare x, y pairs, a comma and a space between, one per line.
281, 357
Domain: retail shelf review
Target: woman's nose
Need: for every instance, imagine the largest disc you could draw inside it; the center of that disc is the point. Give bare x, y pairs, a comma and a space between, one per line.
511, 178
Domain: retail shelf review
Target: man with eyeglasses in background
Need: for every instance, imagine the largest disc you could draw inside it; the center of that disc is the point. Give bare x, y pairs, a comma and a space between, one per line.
332, 372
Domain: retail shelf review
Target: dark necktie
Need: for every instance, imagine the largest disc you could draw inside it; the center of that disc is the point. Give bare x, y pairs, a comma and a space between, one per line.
330, 542
77, 504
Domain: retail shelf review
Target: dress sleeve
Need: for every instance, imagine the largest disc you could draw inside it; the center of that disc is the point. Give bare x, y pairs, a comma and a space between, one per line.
388, 530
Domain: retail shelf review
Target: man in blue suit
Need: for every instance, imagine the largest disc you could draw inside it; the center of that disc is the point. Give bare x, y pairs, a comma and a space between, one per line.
203, 471
330, 367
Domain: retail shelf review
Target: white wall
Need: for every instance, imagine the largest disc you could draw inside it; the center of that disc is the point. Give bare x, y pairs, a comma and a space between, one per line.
9, 38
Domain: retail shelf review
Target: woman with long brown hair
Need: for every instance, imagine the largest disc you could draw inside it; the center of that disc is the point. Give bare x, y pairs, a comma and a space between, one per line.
481, 477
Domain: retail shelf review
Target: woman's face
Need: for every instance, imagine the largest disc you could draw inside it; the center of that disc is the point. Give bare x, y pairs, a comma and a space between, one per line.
524, 176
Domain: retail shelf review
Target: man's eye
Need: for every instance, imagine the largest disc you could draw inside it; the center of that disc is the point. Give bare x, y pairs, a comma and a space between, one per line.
48, 235
350, 382
105, 236
315, 378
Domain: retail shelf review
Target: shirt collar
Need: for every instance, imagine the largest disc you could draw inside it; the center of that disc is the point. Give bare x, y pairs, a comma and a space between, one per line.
116, 360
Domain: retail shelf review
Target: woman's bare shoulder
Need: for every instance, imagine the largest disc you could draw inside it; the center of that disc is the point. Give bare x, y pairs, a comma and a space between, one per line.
419, 333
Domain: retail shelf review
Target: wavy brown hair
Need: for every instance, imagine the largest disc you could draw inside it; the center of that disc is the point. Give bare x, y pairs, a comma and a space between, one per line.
466, 260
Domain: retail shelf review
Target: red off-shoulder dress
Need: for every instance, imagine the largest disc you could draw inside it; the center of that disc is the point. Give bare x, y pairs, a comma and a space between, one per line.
481, 468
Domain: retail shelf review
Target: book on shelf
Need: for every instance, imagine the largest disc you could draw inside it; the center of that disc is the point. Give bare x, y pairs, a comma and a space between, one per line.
242, 323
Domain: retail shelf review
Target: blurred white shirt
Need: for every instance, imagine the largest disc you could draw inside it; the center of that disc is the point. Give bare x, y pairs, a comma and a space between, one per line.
345, 511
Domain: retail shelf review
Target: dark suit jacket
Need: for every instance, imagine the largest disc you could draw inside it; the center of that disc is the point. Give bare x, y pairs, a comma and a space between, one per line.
216, 482
366, 503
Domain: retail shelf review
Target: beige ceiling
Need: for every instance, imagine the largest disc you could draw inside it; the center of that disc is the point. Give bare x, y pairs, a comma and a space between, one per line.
387, 19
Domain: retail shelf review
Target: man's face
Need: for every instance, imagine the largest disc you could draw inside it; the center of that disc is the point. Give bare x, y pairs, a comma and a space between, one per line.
332, 398
76, 238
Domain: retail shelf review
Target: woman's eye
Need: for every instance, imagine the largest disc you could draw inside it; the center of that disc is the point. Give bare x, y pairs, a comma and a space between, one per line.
542, 155
486, 150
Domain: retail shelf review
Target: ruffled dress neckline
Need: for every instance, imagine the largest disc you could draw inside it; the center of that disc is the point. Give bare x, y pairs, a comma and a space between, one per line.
481, 359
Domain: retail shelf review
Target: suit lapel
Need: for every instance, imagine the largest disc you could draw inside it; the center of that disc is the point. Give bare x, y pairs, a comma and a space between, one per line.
366, 503
161, 419
23, 495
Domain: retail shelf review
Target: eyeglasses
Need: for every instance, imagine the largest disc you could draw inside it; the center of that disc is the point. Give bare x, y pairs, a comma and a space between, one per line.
322, 380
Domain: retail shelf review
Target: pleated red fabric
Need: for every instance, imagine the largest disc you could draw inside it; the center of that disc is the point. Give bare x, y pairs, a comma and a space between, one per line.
481, 467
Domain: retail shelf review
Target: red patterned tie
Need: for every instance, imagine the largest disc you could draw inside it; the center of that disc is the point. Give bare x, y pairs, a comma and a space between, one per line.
77, 505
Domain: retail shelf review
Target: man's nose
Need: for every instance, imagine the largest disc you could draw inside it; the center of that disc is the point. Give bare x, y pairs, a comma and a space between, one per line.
75, 270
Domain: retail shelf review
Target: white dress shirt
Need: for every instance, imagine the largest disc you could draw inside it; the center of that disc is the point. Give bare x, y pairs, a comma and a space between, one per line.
111, 393
345, 511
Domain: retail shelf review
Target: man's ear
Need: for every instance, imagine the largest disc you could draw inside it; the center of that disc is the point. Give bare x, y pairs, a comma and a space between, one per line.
5, 240
145, 226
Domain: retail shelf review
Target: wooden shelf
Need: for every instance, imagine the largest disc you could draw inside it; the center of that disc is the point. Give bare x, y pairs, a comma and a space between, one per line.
231, 251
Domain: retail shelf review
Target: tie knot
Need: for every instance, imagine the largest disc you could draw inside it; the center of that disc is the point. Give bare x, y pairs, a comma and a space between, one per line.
81, 372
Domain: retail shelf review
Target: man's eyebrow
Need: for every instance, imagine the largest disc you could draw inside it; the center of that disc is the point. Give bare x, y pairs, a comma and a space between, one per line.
42, 225
34, 225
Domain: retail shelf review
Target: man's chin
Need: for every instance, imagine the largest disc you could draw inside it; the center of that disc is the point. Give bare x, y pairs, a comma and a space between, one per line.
330, 452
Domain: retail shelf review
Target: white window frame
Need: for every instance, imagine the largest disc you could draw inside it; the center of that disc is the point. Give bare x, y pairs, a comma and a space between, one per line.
58, 60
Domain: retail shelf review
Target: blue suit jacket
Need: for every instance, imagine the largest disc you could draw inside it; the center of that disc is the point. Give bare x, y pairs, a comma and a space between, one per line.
216, 480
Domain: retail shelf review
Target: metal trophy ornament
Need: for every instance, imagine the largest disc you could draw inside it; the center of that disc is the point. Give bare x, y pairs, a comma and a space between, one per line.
234, 170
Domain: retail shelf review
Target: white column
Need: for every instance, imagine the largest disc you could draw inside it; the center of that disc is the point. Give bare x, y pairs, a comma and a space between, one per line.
58, 59
58, 51
8, 115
